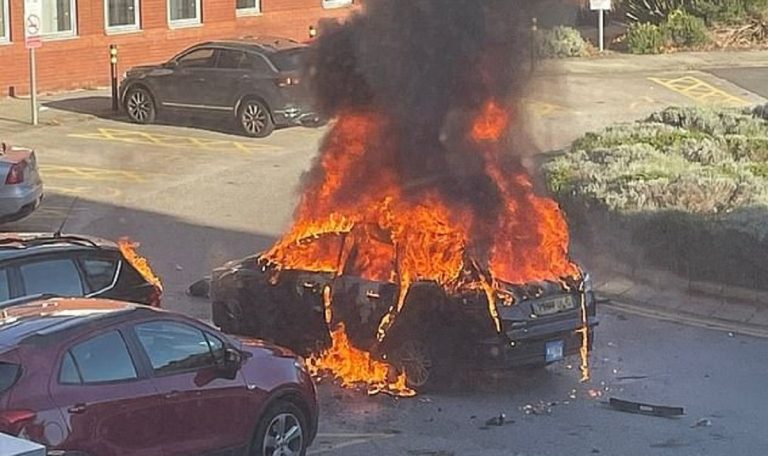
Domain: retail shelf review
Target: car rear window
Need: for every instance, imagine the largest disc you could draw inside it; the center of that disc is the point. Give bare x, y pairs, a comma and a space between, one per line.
9, 373
291, 60
59, 277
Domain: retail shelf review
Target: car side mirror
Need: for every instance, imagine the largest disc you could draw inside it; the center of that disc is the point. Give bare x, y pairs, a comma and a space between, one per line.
232, 357
171, 64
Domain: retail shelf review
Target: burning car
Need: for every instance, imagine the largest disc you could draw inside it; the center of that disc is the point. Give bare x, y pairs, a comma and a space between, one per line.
437, 327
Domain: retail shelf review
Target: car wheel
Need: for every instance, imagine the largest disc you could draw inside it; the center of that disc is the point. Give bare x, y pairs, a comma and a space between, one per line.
255, 119
282, 431
415, 358
140, 105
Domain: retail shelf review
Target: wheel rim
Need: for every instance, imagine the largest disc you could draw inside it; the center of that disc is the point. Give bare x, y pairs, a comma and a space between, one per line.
139, 106
416, 362
284, 436
254, 118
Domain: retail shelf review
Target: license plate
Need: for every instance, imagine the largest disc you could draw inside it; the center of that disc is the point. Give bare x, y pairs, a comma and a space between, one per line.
554, 351
554, 305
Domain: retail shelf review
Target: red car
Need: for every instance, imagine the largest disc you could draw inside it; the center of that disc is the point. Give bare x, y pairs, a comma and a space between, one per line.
93, 377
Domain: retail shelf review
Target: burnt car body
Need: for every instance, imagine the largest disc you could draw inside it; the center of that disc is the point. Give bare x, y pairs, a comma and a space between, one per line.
539, 323
95, 377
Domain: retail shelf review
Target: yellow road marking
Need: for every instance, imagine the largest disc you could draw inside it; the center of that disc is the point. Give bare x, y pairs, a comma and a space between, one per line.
352, 439
542, 108
174, 141
700, 91
92, 174
103, 192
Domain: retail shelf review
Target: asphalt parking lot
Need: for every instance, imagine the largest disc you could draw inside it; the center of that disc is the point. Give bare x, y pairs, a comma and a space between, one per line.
194, 195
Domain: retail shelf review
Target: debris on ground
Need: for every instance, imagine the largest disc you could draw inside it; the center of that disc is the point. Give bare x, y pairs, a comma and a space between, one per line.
703, 422
201, 288
496, 420
540, 408
644, 409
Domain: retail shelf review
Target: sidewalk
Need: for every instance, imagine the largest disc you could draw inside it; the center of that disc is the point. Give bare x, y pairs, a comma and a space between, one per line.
55, 109
612, 63
662, 295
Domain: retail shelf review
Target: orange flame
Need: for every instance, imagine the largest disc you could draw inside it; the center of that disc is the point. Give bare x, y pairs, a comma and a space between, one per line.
355, 198
128, 249
353, 367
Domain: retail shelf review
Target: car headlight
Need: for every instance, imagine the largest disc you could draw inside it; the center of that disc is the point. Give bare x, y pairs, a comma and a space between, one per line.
300, 364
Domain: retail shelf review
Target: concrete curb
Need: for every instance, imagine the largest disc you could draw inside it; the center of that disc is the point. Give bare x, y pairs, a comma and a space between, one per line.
682, 316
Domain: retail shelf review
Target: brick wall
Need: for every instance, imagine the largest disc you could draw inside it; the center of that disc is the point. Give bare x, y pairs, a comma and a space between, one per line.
83, 61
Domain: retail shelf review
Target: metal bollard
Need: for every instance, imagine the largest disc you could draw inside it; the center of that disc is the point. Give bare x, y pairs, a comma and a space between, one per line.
113, 76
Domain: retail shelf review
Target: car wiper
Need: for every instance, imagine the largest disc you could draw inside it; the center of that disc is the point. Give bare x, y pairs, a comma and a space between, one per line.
27, 299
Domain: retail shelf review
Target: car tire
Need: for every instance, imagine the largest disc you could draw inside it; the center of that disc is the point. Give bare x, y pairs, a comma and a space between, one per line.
425, 362
255, 118
140, 105
270, 434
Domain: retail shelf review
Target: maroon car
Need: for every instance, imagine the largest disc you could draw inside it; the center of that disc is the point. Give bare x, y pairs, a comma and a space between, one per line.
92, 377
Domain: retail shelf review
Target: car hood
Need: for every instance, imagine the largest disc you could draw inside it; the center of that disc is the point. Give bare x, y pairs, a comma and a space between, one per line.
144, 69
260, 348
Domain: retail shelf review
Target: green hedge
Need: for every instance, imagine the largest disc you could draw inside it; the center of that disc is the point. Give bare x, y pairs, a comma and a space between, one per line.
560, 42
688, 186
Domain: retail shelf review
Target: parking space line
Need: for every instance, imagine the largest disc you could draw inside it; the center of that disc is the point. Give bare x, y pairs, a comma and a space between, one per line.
700, 91
175, 141
542, 108
352, 439
93, 174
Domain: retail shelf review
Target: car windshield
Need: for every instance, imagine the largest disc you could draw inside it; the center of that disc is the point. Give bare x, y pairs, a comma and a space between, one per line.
291, 60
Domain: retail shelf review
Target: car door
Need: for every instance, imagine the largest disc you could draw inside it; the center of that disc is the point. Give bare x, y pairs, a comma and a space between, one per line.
110, 405
234, 76
203, 409
184, 86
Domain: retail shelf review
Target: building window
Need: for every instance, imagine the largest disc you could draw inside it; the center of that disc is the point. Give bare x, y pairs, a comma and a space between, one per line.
122, 14
59, 18
5, 32
336, 3
183, 12
246, 7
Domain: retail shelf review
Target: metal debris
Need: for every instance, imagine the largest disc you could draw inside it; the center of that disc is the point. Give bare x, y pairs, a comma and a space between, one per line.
704, 422
496, 420
644, 409
540, 408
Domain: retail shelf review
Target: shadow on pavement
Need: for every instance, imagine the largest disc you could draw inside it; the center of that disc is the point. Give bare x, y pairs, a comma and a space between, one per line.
101, 106
180, 252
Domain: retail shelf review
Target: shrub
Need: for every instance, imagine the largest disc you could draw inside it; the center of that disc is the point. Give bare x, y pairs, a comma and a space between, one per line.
688, 186
682, 29
654, 11
645, 38
727, 11
560, 42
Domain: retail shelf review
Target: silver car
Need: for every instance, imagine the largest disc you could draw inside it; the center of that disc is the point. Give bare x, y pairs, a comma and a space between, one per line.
21, 188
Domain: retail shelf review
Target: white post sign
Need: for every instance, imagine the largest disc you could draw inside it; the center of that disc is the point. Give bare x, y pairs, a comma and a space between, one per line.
600, 6
33, 14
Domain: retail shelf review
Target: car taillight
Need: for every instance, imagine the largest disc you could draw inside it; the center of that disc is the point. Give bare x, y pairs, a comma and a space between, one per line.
16, 173
13, 421
154, 297
285, 82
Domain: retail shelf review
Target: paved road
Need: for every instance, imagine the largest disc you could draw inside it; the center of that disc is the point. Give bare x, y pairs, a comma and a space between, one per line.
197, 196
754, 79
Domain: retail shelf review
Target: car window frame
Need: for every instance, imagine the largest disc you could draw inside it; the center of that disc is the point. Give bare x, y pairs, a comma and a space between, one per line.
147, 360
258, 55
185, 53
82, 338
111, 256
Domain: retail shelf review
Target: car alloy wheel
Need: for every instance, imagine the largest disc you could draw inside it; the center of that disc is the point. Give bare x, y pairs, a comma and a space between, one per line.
284, 436
414, 358
255, 119
140, 106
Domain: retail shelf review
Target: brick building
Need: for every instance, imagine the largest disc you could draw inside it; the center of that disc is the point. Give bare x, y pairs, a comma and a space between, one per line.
77, 33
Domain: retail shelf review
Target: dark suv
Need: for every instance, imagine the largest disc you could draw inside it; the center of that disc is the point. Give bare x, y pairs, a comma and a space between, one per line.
257, 81
69, 265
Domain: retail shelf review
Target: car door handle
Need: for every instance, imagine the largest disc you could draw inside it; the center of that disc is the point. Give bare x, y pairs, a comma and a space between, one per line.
77, 408
172, 395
